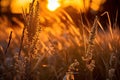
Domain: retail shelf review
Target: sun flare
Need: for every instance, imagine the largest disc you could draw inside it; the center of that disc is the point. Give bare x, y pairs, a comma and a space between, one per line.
53, 5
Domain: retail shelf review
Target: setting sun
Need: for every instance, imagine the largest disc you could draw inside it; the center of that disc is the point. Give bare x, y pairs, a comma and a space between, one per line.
53, 5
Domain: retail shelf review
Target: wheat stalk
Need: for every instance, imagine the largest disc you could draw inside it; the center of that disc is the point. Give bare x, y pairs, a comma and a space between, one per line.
88, 58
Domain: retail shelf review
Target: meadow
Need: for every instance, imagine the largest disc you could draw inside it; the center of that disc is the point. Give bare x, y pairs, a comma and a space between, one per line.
51, 46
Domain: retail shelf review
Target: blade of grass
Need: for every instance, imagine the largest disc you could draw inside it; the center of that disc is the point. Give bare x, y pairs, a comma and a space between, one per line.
10, 37
109, 21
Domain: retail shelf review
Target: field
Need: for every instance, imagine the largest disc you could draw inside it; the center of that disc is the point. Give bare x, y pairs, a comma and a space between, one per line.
58, 46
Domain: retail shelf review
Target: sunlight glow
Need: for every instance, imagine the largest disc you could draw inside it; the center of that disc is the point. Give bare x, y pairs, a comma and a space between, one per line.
53, 5
17, 5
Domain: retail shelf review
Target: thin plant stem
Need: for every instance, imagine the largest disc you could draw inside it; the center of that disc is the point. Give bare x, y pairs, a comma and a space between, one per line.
10, 37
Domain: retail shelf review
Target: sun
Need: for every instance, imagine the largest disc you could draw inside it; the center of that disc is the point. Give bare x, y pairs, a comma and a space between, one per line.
53, 5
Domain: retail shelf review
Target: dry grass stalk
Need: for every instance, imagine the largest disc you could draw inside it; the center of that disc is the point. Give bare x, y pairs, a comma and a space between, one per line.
19, 66
31, 30
21, 43
33, 20
116, 19
71, 70
109, 21
23, 32
10, 37
101, 26
88, 58
113, 64
31, 24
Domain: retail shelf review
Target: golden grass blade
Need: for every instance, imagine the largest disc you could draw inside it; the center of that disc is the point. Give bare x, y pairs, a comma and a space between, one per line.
109, 21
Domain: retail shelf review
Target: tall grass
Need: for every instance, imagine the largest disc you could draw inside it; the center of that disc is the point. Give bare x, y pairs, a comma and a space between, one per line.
49, 42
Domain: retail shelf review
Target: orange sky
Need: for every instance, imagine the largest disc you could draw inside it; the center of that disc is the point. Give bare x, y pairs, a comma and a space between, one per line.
52, 5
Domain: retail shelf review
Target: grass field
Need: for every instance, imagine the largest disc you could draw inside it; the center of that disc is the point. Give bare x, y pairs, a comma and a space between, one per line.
48, 46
